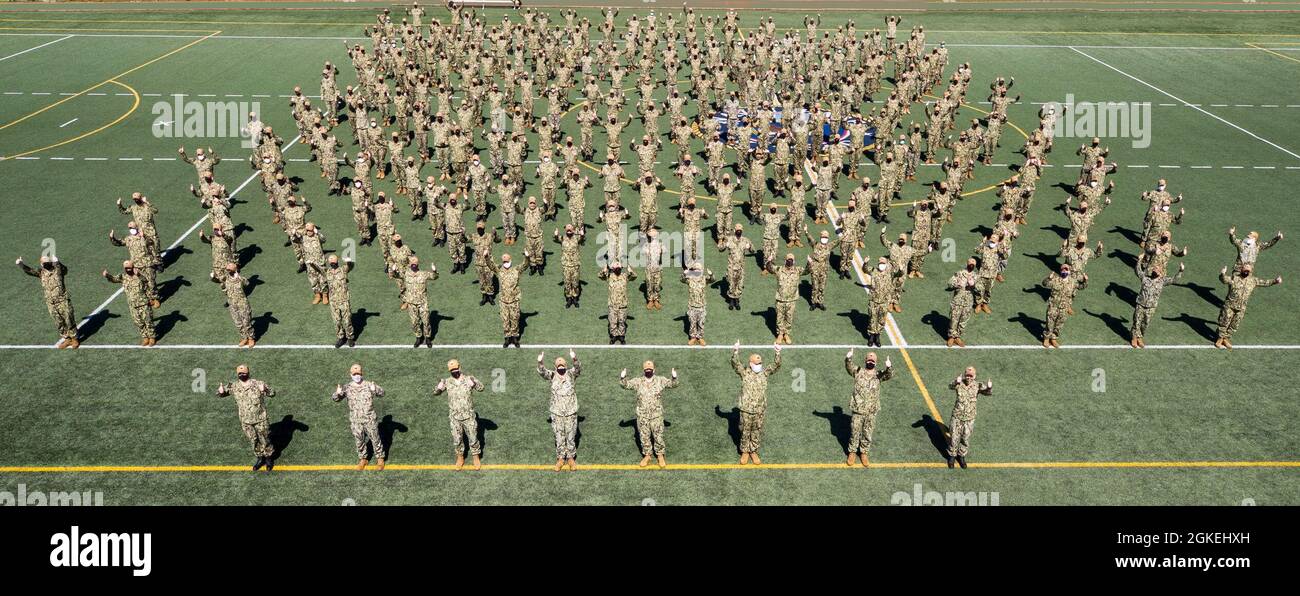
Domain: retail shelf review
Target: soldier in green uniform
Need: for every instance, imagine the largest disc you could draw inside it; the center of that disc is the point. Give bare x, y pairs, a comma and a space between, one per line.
235, 288
737, 247
962, 284
460, 409
818, 269
338, 297
1248, 248
51, 272
416, 297
1153, 282
991, 251
881, 280
508, 293
1062, 286
653, 252
533, 250
787, 292
137, 299
864, 403
310, 244
362, 419
563, 408
483, 261
144, 214
650, 409
250, 400
618, 279
1240, 286
753, 400
697, 280
147, 262
963, 414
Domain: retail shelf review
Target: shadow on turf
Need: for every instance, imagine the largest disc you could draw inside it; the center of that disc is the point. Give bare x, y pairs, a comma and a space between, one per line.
636, 436
387, 427
937, 321
94, 323
733, 423
169, 288
858, 319
263, 323
1117, 325
1133, 236
281, 433
841, 425
769, 318
171, 255
1122, 292
1032, 325
359, 321
936, 431
167, 322
1205, 292
1197, 324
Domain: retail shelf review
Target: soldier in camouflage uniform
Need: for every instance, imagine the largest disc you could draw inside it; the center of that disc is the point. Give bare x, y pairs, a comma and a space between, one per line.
361, 395
416, 298
618, 279
309, 243
753, 400
963, 414
991, 251
1248, 248
851, 225
460, 408
1062, 287
818, 269
649, 409
864, 403
1077, 256
361, 210
453, 219
570, 264
787, 292
692, 234
737, 247
483, 260
962, 284
534, 252
653, 251
51, 273
203, 162
147, 261
250, 400
144, 214
563, 408
223, 249
881, 280
235, 288
1240, 286
1153, 282
337, 296
137, 299
900, 258
295, 220
509, 294
697, 280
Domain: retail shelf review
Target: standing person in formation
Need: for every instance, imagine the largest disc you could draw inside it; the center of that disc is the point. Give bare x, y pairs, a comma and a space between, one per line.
1240, 286
753, 400
361, 395
963, 414
250, 400
649, 409
460, 409
563, 408
51, 272
864, 403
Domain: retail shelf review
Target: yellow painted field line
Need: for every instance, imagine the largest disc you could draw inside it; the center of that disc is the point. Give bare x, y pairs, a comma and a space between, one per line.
1278, 54
134, 105
673, 467
107, 81
916, 375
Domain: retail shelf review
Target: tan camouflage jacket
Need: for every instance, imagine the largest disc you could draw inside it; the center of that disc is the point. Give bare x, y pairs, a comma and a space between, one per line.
753, 385
649, 394
250, 399
866, 386
361, 399
460, 403
564, 400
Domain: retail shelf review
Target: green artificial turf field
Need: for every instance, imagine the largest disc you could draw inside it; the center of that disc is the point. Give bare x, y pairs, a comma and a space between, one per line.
1091, 423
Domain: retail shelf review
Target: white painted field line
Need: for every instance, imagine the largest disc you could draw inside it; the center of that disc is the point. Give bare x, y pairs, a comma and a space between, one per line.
718, 346
69, 122
36, 48
1201, 110
178, 242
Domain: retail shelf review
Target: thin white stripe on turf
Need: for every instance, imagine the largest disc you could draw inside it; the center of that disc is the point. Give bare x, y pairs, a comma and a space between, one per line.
1197, 108
178, 242
35, 48
720, 346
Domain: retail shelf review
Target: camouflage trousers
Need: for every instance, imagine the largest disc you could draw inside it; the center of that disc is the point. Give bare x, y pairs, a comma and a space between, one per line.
259, 435
983, 290
577, 216
735, 283
751, 431
818, 282
362, 219
465, 431
456, 246
959, 439
756, 195
341, 312
823, 198
879, 311
508, 227
724, 223
150, 275
796, 223
617, 321
1229, 319
509, 318
64, 319
566, 435
784, 316
316, 278
386, 240
242, 315
485, 277
142, 316
1142, 316
958, 315
693, 238
648, 220
1055, 320
654, 283
781, 173
367, 431
861, 428
715, 174
848, 246
419, 313
650, 432
533, 245
695, 318
436, 226
549, 207
769, 251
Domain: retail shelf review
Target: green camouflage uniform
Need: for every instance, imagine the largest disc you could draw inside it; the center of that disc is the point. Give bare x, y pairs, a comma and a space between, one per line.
56, 297
963, 415
336, 285
417, 299
563, 408
697, 287
752, 401
250, 400
962, 285
1148, 299
787, 292
649, 409
617, 299
460, 409
864, 403
1058, 302
235, 288
1234, 306
361, 415
137, 299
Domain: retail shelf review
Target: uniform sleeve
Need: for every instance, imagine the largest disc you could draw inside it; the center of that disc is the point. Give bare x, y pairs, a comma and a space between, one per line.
849, 367
776, 365
267, 391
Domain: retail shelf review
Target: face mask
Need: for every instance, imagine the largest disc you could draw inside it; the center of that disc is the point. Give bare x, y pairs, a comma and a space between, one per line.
243, 376
356, 378
756, 367
560, 371
970, 267
334, 265
48, 265
871, 365
358, 185
506, 265
993, 244
135, 232
455, 374
1165, 208
1065, 274
415, 267
1160, 188
881, 266
201, 157
1249, 241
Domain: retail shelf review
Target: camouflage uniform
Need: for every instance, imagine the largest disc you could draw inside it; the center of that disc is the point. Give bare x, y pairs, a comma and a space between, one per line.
737, 249
235, 288
416, 298
460, 409
361, 415
1058, 302
864, 403
137, 299
508, 288
483, 261
962, 285
753, 401
250, 399
56, 297
617, 299
336, 285
563, 408
963, 415
649, 409
1234, 305
787, 292
818, 269
1148, 299
696, 303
